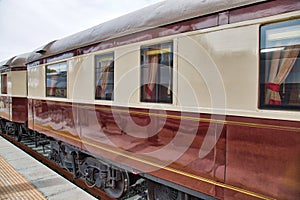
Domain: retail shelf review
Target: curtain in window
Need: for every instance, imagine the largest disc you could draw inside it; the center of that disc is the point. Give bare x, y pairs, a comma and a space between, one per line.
104, 71
104, 81
153, 68
279, 71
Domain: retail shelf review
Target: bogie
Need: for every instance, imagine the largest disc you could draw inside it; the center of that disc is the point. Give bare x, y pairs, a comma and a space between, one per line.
96, 173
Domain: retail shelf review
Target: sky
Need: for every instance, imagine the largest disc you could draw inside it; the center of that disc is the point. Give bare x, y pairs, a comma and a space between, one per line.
26, 25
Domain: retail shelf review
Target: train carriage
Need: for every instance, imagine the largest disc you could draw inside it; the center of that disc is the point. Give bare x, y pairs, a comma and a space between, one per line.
200, 98
13, 98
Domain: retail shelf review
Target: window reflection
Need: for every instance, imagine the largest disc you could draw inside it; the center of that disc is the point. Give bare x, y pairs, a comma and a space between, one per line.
56, 80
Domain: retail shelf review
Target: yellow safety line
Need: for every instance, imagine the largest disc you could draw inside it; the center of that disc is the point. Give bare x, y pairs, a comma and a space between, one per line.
18, 185
161, 166
14, 185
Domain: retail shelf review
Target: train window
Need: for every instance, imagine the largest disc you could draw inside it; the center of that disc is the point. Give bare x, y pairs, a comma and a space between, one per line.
280, 65
4, 83
56, 80
104, 76
157, 73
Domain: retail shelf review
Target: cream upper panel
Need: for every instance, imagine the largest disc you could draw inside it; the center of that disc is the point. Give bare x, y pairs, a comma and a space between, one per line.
36, 82
219, 70
16, 83
81, 78
127, 75
235, 53
194, 65
17, 86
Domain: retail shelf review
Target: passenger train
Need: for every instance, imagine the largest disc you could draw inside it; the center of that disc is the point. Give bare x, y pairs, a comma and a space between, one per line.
199, 98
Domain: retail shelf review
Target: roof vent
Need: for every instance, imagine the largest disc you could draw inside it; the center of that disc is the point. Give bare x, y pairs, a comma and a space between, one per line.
44, 49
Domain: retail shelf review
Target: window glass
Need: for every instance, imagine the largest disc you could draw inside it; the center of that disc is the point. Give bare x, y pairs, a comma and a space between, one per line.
280, 65
157, 73
4, 83
104, 76
56, 80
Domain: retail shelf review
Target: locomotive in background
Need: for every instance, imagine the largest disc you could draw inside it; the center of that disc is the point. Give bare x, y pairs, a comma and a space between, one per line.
201, 99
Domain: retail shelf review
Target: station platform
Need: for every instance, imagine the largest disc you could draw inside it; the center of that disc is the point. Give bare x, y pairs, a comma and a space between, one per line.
24, 178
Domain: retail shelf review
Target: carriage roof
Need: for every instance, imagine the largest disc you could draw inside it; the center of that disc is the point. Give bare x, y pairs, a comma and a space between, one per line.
156, 15
16, 61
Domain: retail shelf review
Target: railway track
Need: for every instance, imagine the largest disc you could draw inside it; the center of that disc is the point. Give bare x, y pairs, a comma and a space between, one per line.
39, 148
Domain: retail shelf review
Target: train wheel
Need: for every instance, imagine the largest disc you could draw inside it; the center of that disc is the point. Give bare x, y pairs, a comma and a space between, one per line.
157, 191
120, 187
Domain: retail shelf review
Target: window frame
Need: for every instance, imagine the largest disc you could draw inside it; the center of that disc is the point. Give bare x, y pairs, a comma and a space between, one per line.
264, 49
65, 63
111, 73
4, 89
158, 86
